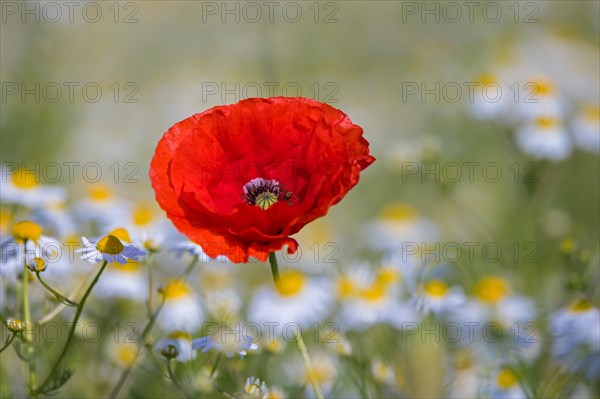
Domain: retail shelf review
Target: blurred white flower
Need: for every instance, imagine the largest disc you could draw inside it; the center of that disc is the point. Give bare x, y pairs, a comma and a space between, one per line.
101, 206
586, 129
492, 99
544, 137
436, 297
123, 354
324, 370
540, 98
398, 226
126, 280
368, 298
297, 301
22, 187
28, 246
255, 388
576, 337
181, 308
506, 386
228, 340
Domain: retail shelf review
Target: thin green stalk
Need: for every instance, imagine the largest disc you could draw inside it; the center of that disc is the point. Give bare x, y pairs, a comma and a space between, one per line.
117, 388
127, 371
172, 377
190, 267
214, 367
30, 351
150, 285
61, 298
8, 342
73, 326
299, 341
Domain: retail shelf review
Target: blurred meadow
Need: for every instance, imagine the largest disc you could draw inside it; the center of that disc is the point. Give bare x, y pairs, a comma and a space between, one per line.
464, 264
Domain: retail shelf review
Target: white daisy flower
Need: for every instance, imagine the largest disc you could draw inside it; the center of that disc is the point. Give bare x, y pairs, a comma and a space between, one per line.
193, 249
123, 354
101, 206
495, 303
324, 370
491, 98
57, 218
586, 129
506, 386
181, 341
116, 246
276, 393
220, 292
27, 246
544, 137
181, 309
576, 337
367, 299
539, 99
464, 380
126, 280
398, 226
382, 372
227, 340
436, 297
23, 187
297, 301
255, 388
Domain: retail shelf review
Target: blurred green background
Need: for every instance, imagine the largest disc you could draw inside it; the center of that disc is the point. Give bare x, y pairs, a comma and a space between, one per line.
158, 62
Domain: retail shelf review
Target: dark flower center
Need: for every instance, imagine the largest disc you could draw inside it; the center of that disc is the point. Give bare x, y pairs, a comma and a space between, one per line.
264, 193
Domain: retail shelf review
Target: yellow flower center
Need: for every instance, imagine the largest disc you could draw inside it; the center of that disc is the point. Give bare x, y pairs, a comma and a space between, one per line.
180, 335
581, 305
486, 79
387, 276
547, 122
100, 193
592, 113
110, 245
5, 220
151, 245
40, 264
27, 230
175, 289
126, 354
131, 266
374, 293
491, 289
398, 212
346, 287
436, 288
322, 372
291, 283
567, 245
25, 179
143, 215
463, 361
121, 234
215, 280
506, 379
543, 88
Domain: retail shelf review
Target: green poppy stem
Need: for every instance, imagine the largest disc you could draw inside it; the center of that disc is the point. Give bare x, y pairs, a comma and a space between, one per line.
298, 336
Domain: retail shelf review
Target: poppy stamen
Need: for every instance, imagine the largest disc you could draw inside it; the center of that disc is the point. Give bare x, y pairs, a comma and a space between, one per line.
264, 193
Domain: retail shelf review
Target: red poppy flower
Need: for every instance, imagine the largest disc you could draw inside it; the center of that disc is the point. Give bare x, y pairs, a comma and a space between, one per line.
240, 179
